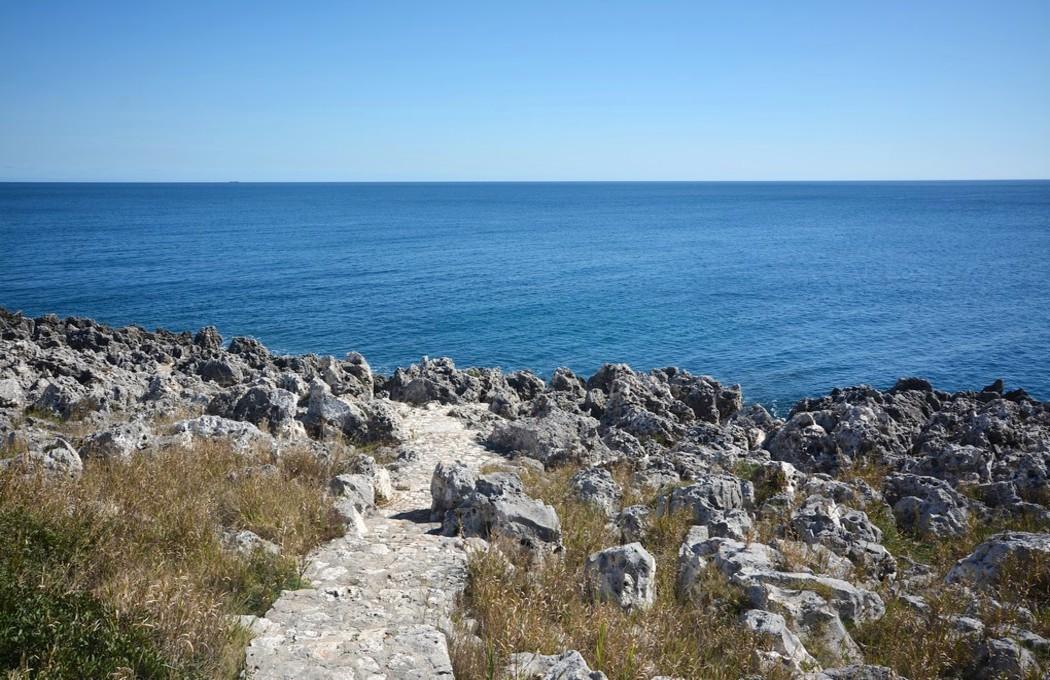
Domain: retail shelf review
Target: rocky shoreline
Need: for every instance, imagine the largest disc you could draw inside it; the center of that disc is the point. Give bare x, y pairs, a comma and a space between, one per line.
789, 511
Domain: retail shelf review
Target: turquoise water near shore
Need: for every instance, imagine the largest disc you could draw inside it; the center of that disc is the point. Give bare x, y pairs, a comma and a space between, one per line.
787, 288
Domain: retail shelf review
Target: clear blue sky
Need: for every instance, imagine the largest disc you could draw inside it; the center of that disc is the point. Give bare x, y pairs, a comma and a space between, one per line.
488, 91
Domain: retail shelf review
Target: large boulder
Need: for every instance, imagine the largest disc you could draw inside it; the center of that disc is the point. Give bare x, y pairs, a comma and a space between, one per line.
555, 437
499, 508
220, 371
985, 565
450, 485
846, 532
596, 487
354, 489
786, 651
997, 658
56, 460
719, 502
241, 436
624, 575
926, 504
11, 394
118, 442
567, 666
814, 606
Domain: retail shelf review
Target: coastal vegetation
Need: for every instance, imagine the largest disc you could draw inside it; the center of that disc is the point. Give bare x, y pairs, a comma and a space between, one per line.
124, 571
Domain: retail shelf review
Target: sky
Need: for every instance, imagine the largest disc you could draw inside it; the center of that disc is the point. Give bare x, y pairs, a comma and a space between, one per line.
449, 91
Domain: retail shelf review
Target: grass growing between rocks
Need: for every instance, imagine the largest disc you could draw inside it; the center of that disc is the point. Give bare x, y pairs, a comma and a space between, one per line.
524, 606
925, 645
123, 573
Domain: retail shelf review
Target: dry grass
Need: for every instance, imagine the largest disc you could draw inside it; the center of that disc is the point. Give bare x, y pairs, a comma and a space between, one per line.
137, 546
924, 646
544, 606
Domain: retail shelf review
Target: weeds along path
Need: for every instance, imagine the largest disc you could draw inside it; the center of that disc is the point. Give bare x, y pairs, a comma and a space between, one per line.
377, 604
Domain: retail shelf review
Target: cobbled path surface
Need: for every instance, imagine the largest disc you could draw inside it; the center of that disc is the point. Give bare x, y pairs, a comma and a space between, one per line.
378, 603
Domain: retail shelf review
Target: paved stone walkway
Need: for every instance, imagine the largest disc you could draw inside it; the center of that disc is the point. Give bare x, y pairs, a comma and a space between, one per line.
379, 602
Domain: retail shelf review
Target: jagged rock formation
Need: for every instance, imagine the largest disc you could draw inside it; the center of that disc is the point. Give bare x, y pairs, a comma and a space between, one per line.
783, 509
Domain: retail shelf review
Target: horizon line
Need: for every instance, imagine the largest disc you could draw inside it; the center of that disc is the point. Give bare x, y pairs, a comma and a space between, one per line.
527, 181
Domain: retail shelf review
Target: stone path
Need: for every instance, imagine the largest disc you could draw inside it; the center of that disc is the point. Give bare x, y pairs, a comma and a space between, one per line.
379, 602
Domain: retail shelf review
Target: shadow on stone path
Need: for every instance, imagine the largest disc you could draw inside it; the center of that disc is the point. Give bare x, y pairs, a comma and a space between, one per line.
378, 603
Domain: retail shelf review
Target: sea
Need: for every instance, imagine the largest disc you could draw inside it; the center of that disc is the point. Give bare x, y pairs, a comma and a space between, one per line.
788, 288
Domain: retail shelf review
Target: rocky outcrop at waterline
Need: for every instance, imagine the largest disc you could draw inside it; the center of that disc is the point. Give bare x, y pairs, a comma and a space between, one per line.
816, 519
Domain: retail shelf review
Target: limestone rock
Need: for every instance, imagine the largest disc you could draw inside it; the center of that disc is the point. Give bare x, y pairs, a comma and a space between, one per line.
596, 486
983, 567
787, 650
567, 666
926, 504
624, 575
450, 485
118, 442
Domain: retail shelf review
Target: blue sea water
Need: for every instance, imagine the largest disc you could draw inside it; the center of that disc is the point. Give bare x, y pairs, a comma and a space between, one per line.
787, 288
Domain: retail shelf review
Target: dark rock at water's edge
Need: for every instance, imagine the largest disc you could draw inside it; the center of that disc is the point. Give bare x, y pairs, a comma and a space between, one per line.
935, 463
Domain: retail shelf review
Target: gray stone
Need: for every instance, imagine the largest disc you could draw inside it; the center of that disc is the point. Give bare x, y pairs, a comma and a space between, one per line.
1002, 658
787, 650
567, 666
243, 437
846, 532
450, 485
555, 437
983, 567
624, 575
118, 442
633, 523
246, 542
356, 488
926, 504
498, 507
11, 394
56, 460
380, 476
221, 372
596, 486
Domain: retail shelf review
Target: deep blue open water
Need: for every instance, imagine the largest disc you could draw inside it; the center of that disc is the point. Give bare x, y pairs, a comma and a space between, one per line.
787, 288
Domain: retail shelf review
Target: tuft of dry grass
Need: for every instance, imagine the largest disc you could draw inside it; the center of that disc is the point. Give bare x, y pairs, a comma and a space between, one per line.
925, 645
519, 603
140, 548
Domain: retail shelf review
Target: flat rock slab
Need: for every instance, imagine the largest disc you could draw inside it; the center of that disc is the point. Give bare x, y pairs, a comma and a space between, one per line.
378, 604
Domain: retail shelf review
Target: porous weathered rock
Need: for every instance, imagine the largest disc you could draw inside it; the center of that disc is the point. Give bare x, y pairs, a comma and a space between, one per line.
634, 523
787, 651
450, 485
557, 436
57, 460
118, 442
997, 658
499, 508
845, 532
221, 372
356, 489
596, 486
719, 502
567, 666
926, 504
1017, 550
624, 575
246, 542
11, 394
241, 436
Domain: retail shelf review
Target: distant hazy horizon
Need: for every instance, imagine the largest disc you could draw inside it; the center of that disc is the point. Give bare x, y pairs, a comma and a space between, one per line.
928, 180
587, 91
